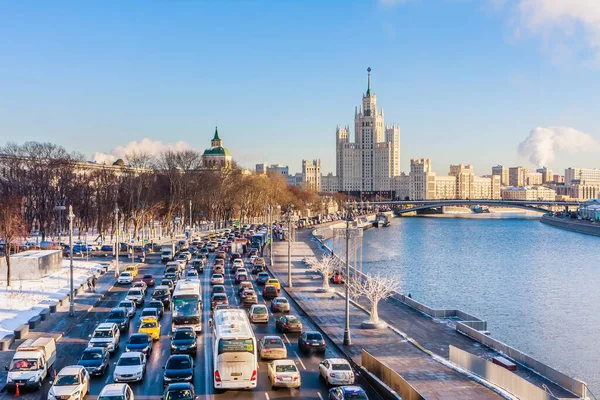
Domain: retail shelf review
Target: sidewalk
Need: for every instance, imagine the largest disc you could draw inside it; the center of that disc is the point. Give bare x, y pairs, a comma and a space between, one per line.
60, 322
431, 378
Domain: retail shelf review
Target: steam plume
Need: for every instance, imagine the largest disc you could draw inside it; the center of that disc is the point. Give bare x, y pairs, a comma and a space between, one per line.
149, 146
542, 144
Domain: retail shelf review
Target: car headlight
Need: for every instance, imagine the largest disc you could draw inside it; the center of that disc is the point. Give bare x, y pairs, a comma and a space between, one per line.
76, 393
173, 346
193, 345
189, 378
32, 379
8, 379
167, 379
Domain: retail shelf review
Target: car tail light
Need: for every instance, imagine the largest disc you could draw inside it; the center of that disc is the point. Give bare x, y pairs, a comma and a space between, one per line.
278, 378
286, 326
253, 378
295, 378
217, 376
332, 375
323, 343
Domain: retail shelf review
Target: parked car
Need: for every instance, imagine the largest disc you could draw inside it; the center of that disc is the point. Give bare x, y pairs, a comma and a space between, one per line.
311, 340
148, 280
72, 381
259, 313
131, 367
95, 360
140, 342
272, 347
183, 340
280, 304
347, 393
284, 373
179, 368
119, 316
288, 323
270, 292
336, 371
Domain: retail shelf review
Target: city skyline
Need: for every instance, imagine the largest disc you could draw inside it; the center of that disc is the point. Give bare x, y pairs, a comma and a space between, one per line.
277, 91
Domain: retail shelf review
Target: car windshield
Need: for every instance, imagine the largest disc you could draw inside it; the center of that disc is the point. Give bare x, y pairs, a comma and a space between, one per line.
24, 365
150, 324
160, 292
282, 301
356, 395
156, 304
146, 313
217, 276
138, 339
274, 343
129, 361
286, 368
180, 335
314, 336
116, 315
179, 363
125, 274
147, 277
179, 394
91, 355
291, 318
341, 367
263, 275
66, 380
259, 310
125, 304
135, 293
103, 334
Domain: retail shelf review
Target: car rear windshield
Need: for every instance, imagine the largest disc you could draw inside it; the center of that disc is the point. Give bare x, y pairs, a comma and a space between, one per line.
138, 339
148, 313
91, 355
355, 395
135, 292
116, 315
314, 336
274, 343
341, 367
160, 292
259, 310
179, 363
147, 277
150, 324
179, 335
179, 394
286, 368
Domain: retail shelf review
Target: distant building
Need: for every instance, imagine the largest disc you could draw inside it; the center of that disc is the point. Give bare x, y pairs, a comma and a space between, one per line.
546, 175
558, 179
275, 168
311, 174
216, 156
421, 179
586, 175
329, 183
502, 172
536, 193
534, 179
517, 176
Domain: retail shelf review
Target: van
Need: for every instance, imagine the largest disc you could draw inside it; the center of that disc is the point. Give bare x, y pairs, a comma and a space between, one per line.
31, 363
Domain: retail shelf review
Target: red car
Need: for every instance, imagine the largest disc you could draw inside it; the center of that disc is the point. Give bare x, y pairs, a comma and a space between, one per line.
148, 280
270, 292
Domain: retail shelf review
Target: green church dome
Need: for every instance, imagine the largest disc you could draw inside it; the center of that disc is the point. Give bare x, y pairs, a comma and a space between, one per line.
217, 151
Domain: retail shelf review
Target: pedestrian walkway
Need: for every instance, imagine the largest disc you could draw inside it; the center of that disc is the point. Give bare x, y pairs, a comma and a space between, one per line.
429, 377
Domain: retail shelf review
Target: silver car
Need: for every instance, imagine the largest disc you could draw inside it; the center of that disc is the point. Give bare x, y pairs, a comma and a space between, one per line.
280, 304
259, 313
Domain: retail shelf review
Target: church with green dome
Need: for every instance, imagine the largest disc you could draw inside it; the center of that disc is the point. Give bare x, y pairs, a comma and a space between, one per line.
216, 156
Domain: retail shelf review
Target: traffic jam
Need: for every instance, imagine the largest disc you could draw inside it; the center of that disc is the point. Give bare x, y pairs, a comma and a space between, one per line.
206, 319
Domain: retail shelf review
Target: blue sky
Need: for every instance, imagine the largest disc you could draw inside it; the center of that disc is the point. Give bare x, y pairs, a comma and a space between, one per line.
466, 80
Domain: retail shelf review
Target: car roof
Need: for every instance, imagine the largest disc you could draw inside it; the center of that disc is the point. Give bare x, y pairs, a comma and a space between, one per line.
131, 354
283, 362
337, 361
125, 273
272, 337
150, 309
105, 325
185, 328
270, 287
94, 349
258, 305
70, 370
126, 301
352, 389
279, 298
139, 334
180, 385
161, 287
113, 389
149, 318
118, 309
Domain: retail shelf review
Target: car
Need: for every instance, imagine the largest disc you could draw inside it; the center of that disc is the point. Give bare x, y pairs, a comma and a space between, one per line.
336, 371
125, 278
116, 391
220, 254
191, 274
180, 391
262, 278
159, 307
162, 293
140, 342
95, 360
149, 312
133, 269
311, 340
198, 265
182, 258
129, 306
249, 297
131, 367
352, 392
235, 256
284, 373
270, 292
218, 289
220, 307
107, 247
136, 295
218, 269
237, 264
274, 282
106, 335
244, 285
272, 347
288, 323
258, 313
241, 275
187, 255
149, 280
259, 261
71, 382
254, 252
151, 326
252, 258
219, 261
183, 340
169, 283
142, 286
217, 279
119, 316
173, 276
179, 368
257, 268
218, 298
280, 304
204, 251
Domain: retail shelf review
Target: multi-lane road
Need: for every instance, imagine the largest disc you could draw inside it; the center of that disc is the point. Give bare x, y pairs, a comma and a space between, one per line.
69, 349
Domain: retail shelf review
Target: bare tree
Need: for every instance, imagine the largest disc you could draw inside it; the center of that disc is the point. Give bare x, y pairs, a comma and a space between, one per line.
374, 288
11, 226
325, 266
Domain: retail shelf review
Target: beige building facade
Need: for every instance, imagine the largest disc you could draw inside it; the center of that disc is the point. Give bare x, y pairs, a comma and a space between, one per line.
535, 193
502, 172
311, 174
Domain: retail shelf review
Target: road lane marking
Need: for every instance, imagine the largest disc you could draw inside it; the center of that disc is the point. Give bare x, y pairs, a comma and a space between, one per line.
286, 338
320, 395
300, 360
267, 396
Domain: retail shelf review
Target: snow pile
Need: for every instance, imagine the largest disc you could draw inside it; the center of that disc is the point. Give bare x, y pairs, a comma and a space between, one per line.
25, 299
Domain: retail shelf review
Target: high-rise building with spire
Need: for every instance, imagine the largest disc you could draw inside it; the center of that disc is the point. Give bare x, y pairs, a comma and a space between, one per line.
372, 160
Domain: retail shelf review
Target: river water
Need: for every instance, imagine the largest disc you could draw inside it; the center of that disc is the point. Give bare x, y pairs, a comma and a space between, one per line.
537, 286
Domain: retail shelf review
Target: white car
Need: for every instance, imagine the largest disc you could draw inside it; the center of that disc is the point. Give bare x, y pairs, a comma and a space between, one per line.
272, 347
72, 382
106, 335
259, 313
129, 306
136, 295
252, 258
116, 391
125, 278
336, 371
131, 367
217, 279
284, 373
238, 263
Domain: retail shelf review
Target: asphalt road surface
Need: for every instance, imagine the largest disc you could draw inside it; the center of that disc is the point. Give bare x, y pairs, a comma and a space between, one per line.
70, 348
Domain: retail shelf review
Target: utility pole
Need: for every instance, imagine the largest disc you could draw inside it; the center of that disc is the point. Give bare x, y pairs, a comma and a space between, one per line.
191, 221
71, 300
347, 339
117, 246
289, 246
271, 233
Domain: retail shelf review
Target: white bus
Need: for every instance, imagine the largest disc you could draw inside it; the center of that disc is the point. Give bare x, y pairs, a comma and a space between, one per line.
186, 305
234, 353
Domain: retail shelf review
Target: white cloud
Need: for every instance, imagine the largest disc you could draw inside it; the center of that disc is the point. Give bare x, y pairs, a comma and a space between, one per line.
542, 144
149, 146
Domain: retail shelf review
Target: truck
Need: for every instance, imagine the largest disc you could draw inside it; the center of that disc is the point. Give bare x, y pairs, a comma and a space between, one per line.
31, 364
167, 252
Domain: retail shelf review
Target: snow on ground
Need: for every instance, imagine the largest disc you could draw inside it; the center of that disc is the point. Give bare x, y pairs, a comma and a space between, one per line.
26, 298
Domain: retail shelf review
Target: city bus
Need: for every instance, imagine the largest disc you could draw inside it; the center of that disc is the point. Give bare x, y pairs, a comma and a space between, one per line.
235, 360
186, 305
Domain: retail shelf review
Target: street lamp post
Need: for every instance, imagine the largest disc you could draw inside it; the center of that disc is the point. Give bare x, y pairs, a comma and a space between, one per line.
60, 208
271, 234
191, 220
289, 221
72, 292
347, 339
117, 247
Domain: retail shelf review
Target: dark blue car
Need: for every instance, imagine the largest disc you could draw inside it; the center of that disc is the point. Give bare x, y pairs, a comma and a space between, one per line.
347, 393
95, 360
141, 342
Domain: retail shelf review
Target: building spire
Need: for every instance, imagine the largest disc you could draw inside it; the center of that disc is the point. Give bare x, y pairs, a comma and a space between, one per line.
369, 81
216, 134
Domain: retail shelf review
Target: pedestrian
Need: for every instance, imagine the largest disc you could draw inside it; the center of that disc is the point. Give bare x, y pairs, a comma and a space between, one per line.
94, 281
89, 283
